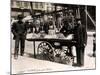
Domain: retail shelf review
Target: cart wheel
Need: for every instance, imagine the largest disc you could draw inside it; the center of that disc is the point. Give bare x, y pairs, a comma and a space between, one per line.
45, 50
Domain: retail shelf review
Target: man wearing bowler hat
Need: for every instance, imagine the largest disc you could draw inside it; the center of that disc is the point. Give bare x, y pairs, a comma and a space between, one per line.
19, 31
80, 36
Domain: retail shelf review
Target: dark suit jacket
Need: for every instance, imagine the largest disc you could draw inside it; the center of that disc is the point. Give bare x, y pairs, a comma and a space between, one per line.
80, 35
18, 29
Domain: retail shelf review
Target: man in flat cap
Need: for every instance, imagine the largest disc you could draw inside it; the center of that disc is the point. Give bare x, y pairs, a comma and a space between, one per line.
19, 31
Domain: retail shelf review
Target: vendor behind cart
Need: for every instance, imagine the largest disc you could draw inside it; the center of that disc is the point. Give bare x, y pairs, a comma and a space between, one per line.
67, 27
48, 24
37, 26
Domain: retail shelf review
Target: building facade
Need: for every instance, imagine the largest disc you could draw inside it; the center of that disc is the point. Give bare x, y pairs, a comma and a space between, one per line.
26, 7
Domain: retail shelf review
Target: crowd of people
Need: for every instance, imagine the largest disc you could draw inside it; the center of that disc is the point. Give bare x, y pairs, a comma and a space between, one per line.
65, 24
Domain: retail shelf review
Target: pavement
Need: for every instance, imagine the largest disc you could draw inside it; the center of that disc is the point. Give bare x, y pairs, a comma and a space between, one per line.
28, 64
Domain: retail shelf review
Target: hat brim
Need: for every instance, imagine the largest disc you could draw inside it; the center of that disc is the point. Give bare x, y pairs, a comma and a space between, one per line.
77, 19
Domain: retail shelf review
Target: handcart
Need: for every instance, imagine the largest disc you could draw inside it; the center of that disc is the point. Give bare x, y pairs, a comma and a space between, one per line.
51, 49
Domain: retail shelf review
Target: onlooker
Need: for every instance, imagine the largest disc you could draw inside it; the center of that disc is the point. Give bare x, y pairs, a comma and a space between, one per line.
80, 36
19, 31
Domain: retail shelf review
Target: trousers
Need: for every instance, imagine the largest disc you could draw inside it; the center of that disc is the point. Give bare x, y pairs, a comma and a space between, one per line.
80, 55
20, 40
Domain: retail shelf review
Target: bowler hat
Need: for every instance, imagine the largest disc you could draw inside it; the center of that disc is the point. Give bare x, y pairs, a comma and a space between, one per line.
77, 19
20, 16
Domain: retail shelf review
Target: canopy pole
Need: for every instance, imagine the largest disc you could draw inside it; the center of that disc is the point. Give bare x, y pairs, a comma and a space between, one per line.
86, 16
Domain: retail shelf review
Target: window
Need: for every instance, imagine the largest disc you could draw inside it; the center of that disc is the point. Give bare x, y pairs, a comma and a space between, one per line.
25, 4
36, 5
41, 5
18, 4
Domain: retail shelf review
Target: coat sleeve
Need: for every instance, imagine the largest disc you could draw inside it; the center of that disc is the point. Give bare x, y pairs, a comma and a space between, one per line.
13, 28
85, 35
